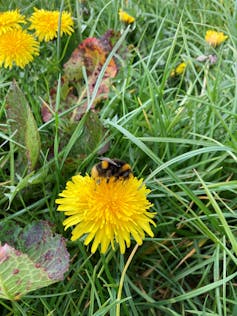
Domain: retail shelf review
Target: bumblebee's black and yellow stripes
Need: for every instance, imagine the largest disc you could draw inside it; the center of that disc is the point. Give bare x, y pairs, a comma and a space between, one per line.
111, 168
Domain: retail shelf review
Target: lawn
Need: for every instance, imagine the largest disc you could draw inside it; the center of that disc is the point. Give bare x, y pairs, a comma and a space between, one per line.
139, 81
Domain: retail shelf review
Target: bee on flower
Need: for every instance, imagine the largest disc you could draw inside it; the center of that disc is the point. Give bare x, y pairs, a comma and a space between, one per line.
108, 207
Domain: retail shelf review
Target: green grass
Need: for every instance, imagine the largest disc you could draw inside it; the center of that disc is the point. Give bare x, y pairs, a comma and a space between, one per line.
178, 134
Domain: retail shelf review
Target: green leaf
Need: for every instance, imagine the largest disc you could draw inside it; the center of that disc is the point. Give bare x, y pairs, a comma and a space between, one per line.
23, 125
32, 140
30, 258
19, 274
91, 137
80, 140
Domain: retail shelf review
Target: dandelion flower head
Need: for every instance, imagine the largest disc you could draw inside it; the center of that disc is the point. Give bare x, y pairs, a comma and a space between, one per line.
46, 24
125, 17
215, 38
10, 20
107, 211
179, 70
17, 47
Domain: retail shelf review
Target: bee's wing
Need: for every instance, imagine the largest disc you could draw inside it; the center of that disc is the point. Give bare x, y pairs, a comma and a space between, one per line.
109, 160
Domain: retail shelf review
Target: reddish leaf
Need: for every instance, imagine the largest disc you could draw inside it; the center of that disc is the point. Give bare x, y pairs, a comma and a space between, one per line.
91, 54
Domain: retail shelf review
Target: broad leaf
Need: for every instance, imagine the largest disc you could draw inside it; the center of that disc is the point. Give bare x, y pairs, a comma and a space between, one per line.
23, 126
30, 258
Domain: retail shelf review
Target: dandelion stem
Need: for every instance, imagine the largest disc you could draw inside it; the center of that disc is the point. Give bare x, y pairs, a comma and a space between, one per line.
123, 277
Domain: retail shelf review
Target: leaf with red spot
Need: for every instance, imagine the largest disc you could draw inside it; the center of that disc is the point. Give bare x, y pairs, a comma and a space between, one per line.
30, 258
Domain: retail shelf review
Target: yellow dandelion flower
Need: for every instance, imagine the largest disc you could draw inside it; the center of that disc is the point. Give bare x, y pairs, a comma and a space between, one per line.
179, 70
107, 211
46, 24
10, 20
125, 17
215, 38
17, 47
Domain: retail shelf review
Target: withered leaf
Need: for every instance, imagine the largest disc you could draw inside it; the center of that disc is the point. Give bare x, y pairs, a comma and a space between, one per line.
91, 55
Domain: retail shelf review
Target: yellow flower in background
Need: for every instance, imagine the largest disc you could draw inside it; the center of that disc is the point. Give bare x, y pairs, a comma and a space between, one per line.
179, 70
10, 20
125, 17
106, 211
46, 24
215, 38
17, 47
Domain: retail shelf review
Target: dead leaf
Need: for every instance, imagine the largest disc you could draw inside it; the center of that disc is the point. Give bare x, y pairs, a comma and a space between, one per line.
91, 54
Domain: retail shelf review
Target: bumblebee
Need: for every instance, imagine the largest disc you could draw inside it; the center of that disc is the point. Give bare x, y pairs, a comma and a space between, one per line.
108, 168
